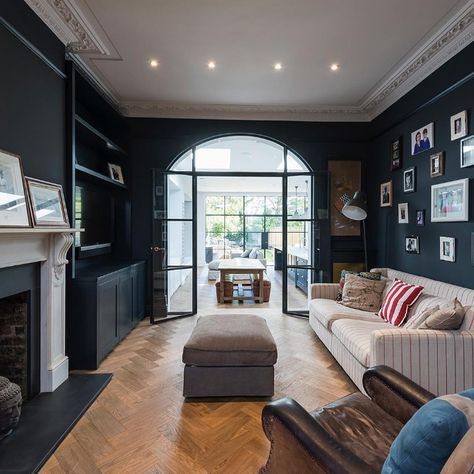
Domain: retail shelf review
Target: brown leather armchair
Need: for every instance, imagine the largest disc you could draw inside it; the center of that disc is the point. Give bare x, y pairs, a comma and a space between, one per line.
351, 435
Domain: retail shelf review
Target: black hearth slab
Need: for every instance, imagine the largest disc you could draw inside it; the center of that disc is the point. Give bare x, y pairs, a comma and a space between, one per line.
46, 420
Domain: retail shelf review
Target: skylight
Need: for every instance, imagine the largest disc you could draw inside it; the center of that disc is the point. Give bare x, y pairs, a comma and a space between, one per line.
213, 159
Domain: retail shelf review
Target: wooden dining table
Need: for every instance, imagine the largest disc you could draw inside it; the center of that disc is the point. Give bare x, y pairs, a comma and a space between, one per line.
242, 266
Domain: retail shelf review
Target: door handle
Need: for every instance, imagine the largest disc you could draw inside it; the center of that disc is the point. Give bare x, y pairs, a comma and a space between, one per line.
157, 249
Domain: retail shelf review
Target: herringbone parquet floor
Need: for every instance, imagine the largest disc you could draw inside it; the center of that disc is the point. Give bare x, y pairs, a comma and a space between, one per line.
141, 424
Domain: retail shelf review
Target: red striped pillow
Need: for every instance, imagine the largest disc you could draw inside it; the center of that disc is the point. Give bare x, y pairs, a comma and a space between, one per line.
398, 300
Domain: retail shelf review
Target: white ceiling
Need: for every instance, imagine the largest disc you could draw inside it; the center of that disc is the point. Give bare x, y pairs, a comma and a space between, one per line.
373, 40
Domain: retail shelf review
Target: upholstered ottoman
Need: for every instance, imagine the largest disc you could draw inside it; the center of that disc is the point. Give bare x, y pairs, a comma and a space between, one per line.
229, 355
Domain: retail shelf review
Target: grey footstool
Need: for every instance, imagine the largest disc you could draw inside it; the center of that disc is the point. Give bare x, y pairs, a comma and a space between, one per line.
229, 355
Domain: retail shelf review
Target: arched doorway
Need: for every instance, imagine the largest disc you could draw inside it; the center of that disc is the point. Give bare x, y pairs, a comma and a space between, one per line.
270, 192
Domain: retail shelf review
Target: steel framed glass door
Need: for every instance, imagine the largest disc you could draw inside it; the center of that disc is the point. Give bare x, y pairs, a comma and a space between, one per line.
174, 245
305, 228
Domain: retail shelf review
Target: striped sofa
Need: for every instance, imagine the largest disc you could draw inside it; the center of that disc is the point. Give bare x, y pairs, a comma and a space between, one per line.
440, 361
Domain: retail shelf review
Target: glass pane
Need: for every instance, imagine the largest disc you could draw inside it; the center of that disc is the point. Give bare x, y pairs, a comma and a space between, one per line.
254, 224
299, 242
253, 239
185, 163
275, 240
215, 224
180, 197
273, 224
216, 243
294, 164
215, 205
234, 205
273, 205
299, 197
298, 289
180, 290
233, 224
180, 243
254, 205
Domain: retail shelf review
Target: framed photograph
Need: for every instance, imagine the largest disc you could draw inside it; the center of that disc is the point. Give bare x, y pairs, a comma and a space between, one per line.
396, 150
386, 194
409, 180
48, 208
422, 139
459, 125
450, 201
437, 164
420, 217
412, 244
115, 172
403, 213
467, 152
13, 198
447, 249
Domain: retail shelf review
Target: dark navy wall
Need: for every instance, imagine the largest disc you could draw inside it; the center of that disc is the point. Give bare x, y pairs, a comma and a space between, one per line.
155, 143
446, 92
32, 93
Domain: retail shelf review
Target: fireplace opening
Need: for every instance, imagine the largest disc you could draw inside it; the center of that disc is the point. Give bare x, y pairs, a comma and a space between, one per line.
19, 343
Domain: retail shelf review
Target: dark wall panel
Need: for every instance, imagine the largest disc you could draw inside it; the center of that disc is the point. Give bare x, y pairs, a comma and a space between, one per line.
32, 95
452, 88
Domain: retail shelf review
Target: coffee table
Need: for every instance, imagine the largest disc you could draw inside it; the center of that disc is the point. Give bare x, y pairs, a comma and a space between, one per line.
235, 266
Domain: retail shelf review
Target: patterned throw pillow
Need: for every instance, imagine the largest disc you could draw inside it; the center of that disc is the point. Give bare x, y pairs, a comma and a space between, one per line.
362, 293
427, 440
398, 300
367, 275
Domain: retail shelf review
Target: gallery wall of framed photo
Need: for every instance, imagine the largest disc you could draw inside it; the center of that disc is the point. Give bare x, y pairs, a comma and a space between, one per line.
426, 160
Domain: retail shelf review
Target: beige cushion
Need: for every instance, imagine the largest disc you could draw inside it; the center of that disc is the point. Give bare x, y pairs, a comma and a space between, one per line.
355, 336
461, 460
449, 316
362, 293
424, 302
416, 321
229, 340
327, 311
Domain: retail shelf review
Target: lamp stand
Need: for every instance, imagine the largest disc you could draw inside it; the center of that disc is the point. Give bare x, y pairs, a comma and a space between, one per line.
365, 246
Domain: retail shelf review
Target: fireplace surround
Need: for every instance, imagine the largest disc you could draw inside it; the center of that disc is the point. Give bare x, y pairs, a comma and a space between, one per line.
47, 248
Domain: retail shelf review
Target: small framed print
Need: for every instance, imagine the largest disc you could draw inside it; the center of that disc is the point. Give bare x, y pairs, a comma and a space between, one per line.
115, 172
459, 125
450, 201
447, 249
420, 217
437, 164
48, 208
422, 139
13, 196
386, 194
396, 154
412, 244
403, 213
409, 180
467, 152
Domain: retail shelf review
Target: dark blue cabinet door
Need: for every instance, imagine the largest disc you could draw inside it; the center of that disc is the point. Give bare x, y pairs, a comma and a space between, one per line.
108, 335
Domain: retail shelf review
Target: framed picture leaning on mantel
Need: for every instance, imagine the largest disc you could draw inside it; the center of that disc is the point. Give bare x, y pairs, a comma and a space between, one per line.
13, 197
450, 201
48, 208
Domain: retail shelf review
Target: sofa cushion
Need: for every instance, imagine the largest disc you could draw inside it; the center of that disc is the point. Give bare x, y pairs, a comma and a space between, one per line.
327, 311
423, 303
229, 340
246, 253
362, 293
355, 336
344, 273
447, 317
427, 440
214, 265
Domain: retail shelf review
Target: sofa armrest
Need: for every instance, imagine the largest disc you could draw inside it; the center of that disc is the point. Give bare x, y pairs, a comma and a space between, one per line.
323, 290
439, 361
300, 444
394, 393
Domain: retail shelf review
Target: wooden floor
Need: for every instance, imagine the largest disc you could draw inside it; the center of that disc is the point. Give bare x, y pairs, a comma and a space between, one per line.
141, 424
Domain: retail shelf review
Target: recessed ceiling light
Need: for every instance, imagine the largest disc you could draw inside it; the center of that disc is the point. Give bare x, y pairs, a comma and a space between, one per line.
277, 66
335, 67
154, 62
211, 65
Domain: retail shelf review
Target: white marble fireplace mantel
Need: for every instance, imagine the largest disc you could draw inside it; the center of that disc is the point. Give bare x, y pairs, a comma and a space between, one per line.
49, 246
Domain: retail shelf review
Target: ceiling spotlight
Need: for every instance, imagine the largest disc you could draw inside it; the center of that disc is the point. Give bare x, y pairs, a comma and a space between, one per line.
211, 65
335, 67
154, 63
277, 66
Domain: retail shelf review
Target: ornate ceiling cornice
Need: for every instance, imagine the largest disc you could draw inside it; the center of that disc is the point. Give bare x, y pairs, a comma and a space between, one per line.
74, 24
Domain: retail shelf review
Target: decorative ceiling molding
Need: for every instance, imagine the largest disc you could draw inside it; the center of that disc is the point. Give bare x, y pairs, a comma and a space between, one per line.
75, 25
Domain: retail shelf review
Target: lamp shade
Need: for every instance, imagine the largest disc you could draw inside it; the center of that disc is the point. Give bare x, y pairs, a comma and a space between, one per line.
356, 208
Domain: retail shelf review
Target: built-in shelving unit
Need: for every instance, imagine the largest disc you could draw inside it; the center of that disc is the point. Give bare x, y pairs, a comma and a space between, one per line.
99, 176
